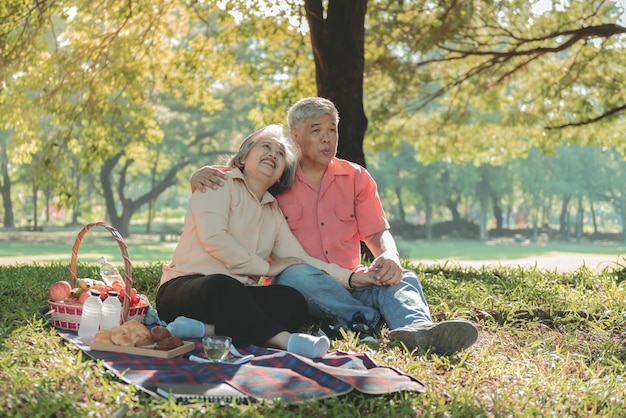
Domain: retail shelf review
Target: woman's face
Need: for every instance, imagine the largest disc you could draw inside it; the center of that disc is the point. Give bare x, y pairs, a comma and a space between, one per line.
266, 158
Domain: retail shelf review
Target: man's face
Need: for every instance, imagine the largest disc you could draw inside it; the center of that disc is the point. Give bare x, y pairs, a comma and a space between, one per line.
317, 140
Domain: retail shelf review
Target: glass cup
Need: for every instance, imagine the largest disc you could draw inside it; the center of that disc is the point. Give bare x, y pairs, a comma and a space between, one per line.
216, 347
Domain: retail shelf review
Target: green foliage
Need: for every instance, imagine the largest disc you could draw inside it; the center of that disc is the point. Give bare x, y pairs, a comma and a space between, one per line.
549, 344
546, 187
484, 81
131, 91
142, 93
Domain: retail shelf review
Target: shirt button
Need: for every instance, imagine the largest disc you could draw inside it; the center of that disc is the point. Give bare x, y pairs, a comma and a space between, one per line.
322, 223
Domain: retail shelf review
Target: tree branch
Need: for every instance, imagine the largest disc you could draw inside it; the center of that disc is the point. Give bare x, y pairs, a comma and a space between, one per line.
497, 58
573, 35
604, 115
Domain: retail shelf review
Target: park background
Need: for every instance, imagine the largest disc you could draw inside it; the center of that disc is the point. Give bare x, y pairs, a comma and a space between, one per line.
494, 129
513, 130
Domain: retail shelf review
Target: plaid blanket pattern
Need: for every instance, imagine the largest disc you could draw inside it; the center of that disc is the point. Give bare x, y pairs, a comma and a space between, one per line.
270, 375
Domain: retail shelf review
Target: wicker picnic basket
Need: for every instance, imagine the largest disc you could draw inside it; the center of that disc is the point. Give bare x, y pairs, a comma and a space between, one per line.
67, 316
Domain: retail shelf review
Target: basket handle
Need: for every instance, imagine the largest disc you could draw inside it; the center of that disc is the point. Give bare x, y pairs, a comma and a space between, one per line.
128, 281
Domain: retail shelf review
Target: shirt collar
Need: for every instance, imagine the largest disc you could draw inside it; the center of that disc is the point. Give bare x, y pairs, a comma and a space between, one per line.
237, 174
334, 168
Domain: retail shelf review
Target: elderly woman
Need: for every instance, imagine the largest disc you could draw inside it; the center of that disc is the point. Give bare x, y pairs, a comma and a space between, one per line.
211, 285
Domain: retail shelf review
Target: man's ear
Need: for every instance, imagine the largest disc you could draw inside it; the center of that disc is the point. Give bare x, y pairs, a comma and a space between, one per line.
294, 138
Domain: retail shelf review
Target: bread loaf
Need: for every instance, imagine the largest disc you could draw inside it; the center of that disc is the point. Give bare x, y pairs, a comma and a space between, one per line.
135, 334
160, 333
169, 343
145, 342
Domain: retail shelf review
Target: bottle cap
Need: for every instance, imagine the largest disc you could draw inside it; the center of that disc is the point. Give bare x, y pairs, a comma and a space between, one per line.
94, 292
112, 293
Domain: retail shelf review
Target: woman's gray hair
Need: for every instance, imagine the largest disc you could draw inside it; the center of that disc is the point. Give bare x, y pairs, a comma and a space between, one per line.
291, 155
310, 107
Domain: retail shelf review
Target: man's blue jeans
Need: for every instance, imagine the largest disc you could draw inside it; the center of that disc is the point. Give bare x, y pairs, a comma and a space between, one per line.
398, 305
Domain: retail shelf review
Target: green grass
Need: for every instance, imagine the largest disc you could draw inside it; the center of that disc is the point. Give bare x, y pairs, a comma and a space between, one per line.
88, 251
550, 344
464, 250
56, 245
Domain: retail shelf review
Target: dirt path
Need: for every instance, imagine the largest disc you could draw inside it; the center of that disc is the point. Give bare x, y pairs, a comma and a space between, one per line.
560, 262
7, 261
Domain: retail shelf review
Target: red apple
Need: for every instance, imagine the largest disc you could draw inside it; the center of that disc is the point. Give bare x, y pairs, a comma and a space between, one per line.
83, 297
60, 290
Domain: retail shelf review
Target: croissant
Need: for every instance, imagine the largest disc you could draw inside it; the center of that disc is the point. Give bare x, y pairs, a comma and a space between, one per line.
133, 324
121, 336
137, 331
135, 334
103, 336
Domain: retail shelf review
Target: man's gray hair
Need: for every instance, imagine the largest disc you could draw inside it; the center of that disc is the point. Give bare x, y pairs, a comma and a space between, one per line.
310, 107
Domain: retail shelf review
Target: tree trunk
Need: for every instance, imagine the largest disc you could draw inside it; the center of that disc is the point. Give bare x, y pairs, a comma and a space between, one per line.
152, 203
546, 211
338, 43
151, 215
484, 234
622, 211
401, 213
483, 192
453, 207
535, 221
497, 211
579, 220
35, 193
339, 53
507, 217
429, 220
5, 190
121, 221
48, 193
563, 218
76, 207
594, 220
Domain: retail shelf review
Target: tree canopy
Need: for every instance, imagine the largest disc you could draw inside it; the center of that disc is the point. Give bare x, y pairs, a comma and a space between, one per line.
484, 81
84, 84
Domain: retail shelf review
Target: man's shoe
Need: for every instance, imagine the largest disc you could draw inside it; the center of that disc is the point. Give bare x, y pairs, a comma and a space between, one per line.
359, 326
333, 330
443, 338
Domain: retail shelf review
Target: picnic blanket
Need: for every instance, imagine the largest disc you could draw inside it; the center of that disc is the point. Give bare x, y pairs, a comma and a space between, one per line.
270, 375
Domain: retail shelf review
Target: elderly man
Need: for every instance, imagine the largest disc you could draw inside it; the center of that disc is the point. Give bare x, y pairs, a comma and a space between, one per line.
331, 207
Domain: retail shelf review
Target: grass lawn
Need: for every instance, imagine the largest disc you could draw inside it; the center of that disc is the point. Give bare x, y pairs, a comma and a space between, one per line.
549, 345
463, 250
142, 248
57, 246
